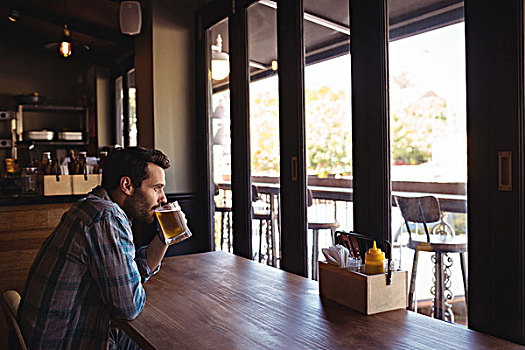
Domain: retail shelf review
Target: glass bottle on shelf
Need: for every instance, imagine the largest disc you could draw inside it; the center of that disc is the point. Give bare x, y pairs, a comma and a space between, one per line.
82, 159
45, 165
103, 155
73, 163
30, 180
49, 167
55, 167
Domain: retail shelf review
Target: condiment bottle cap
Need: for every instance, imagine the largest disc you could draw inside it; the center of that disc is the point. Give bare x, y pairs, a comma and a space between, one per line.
374, 254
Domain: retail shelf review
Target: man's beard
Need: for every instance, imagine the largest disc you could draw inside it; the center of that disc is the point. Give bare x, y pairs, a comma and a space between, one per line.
137, 207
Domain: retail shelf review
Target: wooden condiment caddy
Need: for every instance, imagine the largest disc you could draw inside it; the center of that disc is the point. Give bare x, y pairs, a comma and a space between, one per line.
368, 294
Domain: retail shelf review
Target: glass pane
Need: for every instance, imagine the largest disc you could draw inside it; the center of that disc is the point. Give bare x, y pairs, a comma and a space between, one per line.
429, 143
328, 125
119, 111
132, 95
264, 131
219, 116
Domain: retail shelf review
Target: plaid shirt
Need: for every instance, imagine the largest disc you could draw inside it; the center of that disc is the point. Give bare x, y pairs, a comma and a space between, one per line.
85, 274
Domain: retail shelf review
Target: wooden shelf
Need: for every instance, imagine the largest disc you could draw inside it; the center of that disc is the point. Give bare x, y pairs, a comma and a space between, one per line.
56, 143
29, 108
63, 111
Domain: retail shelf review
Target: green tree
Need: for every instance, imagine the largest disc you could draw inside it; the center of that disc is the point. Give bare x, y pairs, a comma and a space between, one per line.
264, 135
415, 127
328, 136
416, 124
328, 131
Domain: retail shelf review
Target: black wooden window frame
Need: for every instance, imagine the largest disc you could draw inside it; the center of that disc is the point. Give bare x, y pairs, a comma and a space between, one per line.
495, 122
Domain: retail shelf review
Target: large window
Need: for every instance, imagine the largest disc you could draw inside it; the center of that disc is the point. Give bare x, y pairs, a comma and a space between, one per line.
328, 129
429, 143
126, 110
409, 140
132, 108
264, 132
220, 142
119, 111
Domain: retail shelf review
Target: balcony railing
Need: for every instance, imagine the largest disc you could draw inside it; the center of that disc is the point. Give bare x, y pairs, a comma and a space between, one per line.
332, 199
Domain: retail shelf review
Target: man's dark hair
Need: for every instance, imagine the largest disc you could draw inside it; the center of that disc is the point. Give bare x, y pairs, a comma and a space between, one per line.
131, 162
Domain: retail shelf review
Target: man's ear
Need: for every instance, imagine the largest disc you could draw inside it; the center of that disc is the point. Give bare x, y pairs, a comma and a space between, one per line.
125, 185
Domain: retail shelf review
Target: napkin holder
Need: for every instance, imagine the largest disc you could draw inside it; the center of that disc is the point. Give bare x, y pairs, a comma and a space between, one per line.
368, 294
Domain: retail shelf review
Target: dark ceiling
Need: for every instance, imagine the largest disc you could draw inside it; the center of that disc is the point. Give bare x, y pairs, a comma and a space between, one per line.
96, 36
94, 26
327, 28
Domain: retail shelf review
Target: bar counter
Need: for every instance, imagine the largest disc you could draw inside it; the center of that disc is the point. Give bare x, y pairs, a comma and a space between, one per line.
19, 199
26, 222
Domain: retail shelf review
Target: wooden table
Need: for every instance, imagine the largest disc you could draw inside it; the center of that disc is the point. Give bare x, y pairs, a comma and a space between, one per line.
221, 301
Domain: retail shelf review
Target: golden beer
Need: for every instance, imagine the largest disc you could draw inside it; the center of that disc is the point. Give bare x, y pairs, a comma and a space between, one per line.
172, 223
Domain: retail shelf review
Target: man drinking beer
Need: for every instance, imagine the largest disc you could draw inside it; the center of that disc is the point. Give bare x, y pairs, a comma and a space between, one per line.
87, 271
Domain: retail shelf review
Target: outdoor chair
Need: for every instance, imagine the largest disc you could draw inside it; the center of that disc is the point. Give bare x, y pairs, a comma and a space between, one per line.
315, 226
262, 212
441, 240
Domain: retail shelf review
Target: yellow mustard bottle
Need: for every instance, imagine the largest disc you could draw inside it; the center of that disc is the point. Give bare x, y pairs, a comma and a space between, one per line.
374, 261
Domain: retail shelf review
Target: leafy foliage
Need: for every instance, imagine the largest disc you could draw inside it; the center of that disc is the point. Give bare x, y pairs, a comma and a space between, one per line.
328, 132
264, 138
416, 124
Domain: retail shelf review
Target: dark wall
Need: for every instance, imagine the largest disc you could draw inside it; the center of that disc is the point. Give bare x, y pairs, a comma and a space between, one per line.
164, 67
25, 70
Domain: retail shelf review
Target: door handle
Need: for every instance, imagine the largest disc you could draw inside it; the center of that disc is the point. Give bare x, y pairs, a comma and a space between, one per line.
505, 171
294, 168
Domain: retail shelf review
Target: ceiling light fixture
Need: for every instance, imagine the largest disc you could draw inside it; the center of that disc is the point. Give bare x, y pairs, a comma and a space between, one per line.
64, 48
220, 61
64, 44
219, 112
14, 15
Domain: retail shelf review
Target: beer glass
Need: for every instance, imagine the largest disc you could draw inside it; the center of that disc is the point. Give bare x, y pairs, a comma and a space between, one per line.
172, 223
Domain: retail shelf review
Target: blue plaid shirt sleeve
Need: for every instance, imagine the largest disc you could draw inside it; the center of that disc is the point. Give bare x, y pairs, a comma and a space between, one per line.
114, 268
142, 262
